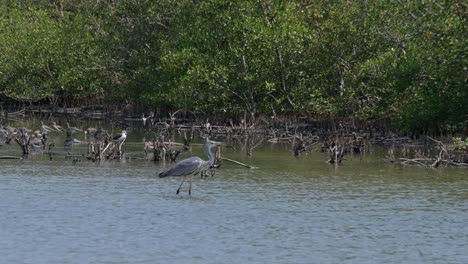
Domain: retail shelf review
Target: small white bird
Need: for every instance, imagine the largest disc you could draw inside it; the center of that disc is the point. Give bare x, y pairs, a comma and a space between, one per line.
121, 137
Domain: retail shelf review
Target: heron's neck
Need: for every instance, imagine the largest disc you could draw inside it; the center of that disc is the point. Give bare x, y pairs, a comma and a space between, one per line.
209, 153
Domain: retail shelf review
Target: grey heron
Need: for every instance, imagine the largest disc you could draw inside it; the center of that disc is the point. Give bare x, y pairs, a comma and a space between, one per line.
57, 127
90, 131
70, 141
45, 128
192, 165
72, 130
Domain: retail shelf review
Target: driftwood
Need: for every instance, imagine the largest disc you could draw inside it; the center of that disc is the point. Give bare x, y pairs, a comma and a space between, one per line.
301, 145
432, 163
239, 163
162, 150
69, 155
339, 138
250, 149
444, 157
340, 143
188, 140
9, 157
336, 147
105, 149
23, 140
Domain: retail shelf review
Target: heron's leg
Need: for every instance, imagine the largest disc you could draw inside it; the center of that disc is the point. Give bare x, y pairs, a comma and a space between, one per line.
178, 189
190, 186
203, 174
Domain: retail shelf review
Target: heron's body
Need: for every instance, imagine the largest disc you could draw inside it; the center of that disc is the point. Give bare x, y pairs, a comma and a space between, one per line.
70, 141
185, 167
90, 131
192, 165
71, 130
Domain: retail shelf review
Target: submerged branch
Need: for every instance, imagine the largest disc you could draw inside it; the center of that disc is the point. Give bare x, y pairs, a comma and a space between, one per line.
9, 157
239, 163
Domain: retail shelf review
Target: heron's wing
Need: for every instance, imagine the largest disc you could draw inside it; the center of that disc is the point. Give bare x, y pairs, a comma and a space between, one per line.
183, 167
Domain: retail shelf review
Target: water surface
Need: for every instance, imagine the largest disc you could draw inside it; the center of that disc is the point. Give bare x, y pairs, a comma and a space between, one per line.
288, 210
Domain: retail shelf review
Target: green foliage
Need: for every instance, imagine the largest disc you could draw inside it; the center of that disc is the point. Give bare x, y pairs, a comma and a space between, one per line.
460, 144
395, 60
45, 55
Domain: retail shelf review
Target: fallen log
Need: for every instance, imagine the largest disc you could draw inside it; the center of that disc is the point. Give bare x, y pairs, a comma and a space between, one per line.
417, 161
74, 156
455, 163
239, 163
9, 157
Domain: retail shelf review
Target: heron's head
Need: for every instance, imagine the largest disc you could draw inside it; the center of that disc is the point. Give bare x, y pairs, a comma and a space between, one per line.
211, 143
124, 132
